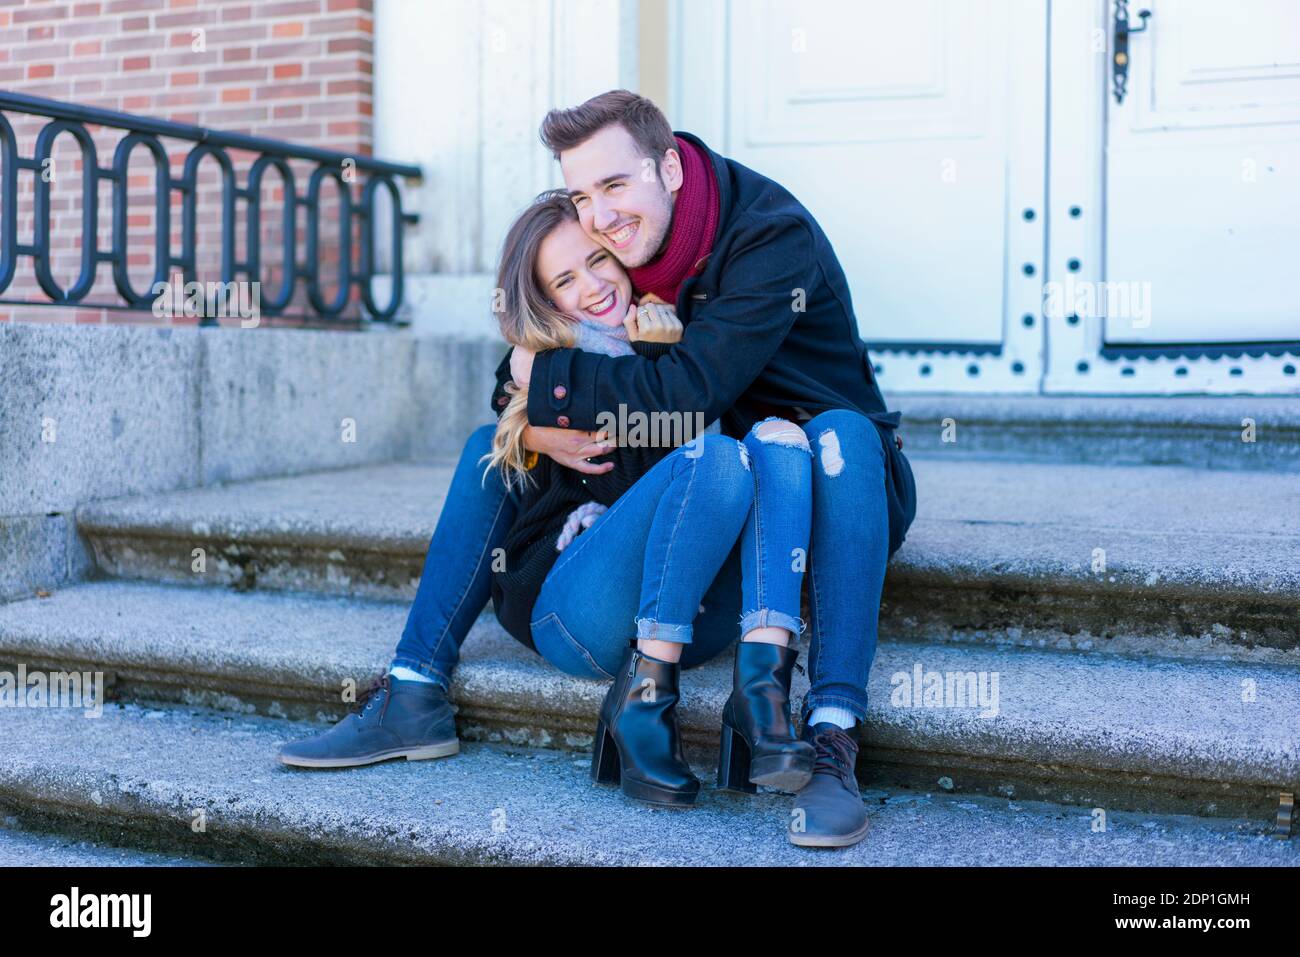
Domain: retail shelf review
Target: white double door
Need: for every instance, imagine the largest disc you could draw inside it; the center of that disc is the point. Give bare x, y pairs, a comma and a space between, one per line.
920, 136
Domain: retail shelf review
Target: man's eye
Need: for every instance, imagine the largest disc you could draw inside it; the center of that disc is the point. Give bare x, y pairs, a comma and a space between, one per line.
579, 200
599, 258
613, 186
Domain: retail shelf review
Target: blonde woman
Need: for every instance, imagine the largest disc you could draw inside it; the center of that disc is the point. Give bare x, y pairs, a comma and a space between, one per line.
628, 569
594, 561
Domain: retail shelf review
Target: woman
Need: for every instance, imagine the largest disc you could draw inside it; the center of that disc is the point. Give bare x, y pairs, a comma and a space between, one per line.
629, 572
593, 560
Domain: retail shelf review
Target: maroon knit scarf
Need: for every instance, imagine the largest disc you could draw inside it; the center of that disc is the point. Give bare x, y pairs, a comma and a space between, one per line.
695, 221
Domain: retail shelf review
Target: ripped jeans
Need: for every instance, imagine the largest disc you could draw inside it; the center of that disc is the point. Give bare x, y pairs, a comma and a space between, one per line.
709, 544
847, 551
846, 557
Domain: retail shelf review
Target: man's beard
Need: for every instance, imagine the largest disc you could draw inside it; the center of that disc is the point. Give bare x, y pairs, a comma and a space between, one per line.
657, 243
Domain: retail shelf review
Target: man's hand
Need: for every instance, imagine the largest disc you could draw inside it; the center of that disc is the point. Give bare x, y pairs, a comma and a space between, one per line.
570, 447
521, 366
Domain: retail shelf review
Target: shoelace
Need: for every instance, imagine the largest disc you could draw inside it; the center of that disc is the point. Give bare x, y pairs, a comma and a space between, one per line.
835, 753
367, 698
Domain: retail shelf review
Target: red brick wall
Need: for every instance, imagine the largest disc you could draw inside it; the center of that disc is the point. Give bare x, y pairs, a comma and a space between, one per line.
295, 70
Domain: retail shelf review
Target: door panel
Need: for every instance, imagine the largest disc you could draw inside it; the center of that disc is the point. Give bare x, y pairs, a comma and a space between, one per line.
915, 134
1203, 174
889, 121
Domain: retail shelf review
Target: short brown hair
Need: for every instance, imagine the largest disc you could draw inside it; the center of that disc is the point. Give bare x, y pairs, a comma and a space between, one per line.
645, 122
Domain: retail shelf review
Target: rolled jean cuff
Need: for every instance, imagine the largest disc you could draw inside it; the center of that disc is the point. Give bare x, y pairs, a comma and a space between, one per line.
770, 618
429, 671
652, 630
811, 701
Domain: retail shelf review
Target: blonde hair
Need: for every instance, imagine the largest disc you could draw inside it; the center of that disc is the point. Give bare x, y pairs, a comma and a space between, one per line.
526, 318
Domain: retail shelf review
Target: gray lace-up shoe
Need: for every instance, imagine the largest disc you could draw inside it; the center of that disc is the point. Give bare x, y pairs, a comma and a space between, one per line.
396, 719
829, 811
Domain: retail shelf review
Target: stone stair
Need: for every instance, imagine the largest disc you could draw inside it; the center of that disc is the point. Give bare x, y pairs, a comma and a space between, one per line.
205, 783
1157, 676
1093, 729
1203, 432
23, 848
1138, 558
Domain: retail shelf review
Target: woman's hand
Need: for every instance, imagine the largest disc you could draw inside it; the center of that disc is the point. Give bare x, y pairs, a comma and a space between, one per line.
653, 321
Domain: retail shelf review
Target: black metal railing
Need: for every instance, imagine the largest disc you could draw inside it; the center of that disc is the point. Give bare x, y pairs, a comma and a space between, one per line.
145, 132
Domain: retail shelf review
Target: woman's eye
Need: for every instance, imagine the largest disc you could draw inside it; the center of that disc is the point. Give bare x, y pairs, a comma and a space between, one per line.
562, 283
599, 258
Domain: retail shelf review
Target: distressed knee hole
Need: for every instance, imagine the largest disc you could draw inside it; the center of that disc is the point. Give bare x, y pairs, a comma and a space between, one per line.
744, 455
831, 458
781, 432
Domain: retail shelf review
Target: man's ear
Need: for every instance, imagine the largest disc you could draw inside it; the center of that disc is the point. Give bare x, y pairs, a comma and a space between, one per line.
670, 171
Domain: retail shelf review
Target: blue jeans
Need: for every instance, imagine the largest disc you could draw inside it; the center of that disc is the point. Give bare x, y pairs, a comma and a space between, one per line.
456, 582
848, 548
664, 561
847, 556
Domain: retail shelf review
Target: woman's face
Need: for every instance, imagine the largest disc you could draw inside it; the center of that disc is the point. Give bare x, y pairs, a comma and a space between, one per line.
581, 277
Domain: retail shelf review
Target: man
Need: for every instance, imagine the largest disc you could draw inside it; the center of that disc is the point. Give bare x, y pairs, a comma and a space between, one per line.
769, 331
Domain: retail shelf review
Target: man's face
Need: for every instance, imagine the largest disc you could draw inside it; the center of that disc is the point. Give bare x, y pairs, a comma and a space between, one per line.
621, 202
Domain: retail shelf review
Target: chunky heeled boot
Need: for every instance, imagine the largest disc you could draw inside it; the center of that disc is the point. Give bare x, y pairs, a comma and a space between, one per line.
638, 743
759, 745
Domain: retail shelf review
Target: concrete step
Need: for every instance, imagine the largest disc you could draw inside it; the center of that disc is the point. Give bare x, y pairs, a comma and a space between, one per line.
153, 774
1140, 559
1198, 431
1165, 734
24, 848
358, 531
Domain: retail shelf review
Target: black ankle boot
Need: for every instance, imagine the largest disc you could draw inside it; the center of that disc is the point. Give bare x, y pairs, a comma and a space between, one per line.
638, 744
759, 745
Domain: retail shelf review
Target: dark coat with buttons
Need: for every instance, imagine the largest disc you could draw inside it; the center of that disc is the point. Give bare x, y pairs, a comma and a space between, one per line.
769, 328
544, 503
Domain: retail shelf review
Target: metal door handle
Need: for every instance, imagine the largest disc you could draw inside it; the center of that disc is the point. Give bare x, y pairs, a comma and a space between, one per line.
1119, 60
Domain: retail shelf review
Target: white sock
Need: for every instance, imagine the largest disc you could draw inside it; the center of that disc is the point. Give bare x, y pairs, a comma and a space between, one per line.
406, 674
840, 717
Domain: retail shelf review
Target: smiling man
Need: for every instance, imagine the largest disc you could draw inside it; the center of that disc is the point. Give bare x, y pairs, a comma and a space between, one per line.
769, 332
